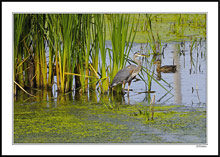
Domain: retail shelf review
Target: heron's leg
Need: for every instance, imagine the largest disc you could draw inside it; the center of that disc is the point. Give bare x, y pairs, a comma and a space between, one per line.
129, 83
123, 87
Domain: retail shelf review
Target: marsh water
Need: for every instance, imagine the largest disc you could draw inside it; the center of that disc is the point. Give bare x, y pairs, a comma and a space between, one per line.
178, 114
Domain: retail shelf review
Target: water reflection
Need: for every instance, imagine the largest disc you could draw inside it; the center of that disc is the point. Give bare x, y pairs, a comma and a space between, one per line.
93, 96
119, 98
177, 75
50, 99
190, 58
159, 77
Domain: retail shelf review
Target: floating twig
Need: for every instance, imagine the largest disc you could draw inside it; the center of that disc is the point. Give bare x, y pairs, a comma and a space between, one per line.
24, 90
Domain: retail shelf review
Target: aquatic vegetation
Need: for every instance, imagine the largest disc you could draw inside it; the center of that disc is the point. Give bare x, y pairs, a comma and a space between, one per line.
68, 54
92, 122
74, 42
171, 27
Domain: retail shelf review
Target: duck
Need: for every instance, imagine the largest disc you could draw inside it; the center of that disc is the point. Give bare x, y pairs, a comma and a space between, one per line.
165, 68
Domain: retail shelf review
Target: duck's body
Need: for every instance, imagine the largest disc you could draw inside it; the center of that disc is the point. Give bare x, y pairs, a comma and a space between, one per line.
166, 68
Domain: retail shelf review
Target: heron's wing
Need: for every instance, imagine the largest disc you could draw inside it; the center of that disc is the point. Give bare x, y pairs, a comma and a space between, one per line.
123, 75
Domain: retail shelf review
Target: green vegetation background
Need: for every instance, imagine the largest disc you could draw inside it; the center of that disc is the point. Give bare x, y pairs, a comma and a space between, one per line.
169, 27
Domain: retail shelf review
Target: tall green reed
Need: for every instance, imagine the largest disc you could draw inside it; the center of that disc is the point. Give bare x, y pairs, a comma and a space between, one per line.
122, 38
19, 20
83, 49
38, 21
50, 40
94, 55
54, 38
66, 62
101, 37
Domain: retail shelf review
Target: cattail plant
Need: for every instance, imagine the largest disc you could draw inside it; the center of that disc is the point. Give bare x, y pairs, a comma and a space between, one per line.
122, 38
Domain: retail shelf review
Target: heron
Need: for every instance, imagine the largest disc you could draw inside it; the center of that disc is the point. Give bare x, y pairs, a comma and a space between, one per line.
127, 74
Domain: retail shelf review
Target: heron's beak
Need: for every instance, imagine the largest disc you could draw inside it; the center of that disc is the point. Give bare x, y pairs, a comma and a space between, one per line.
144, 55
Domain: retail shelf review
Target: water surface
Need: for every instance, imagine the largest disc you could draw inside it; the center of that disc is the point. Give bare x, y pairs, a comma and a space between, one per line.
176, 117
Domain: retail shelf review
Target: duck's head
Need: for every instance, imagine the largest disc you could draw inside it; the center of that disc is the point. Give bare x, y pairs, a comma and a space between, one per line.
158, 61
